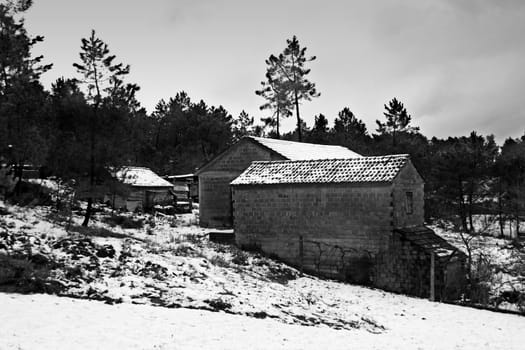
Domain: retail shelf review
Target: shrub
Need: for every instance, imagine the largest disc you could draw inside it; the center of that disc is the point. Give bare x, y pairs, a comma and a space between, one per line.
124, 221
175, 238
23, 275
219, 260
174, 222
281, 273
30, 194
183, 250
219, 304
240, 258
194, 239
151, 222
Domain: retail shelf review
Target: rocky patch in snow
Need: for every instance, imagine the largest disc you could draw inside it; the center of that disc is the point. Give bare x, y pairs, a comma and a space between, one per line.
169, 263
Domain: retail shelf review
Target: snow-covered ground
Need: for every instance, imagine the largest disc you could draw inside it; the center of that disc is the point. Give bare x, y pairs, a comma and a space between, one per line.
169, 266
50, 322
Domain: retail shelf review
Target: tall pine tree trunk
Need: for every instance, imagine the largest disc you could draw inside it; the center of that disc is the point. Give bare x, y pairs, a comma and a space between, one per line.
500, 208
299, 131
87, 216
462, 209
470, 205
92, 131
518, 209
277, 118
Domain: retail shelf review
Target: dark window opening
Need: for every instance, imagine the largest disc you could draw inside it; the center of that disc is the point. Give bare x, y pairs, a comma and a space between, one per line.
409, 202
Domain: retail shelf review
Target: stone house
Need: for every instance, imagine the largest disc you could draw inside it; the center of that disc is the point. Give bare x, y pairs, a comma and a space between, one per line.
215, 201
357, 219
138, 188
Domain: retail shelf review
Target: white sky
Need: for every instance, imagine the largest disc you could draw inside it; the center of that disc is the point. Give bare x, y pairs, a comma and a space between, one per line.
458, 65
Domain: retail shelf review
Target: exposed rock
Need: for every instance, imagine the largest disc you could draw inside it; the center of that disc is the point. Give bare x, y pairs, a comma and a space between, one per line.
39, 259
106, 251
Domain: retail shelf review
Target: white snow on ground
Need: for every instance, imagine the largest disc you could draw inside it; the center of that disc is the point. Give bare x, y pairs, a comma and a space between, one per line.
50, 322
170, 262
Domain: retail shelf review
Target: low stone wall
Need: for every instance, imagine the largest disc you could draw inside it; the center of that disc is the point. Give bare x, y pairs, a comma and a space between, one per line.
405, 268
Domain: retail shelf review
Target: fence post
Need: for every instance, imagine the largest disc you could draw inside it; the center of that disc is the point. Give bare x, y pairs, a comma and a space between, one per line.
432, 276
301, 253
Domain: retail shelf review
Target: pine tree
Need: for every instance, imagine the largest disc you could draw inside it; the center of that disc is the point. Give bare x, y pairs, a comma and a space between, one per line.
319, 132
242, 126
71, 118
103, 78
190, 134
510, 171
275, 92
349, 131
347, 124
397, 120
98, 70
289, 69
22, 97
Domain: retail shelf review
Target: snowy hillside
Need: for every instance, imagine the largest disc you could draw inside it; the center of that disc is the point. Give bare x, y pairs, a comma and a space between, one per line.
167, 262
50, 322
168, 266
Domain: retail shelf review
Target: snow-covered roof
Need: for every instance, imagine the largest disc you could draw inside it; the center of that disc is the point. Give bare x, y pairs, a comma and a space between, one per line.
181, 188
303, 151
141, 177
353, 170
182, 176
288, 150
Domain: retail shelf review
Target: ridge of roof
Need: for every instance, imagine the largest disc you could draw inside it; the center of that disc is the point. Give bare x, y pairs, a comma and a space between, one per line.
294, 150
362, 158
374, 169
291, 150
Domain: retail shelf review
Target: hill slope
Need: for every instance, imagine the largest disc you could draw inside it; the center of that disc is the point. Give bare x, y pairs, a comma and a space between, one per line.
170, 263
50, 322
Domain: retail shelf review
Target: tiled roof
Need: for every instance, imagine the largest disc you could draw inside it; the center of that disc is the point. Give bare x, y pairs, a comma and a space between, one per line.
303, 151
425, 238
353, 170
141, 177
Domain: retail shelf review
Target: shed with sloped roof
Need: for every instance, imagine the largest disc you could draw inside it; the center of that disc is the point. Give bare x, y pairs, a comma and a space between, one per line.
215, 201
338, 218
139, 189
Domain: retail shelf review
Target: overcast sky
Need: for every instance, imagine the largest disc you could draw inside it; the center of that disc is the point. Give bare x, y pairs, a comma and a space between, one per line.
458, 65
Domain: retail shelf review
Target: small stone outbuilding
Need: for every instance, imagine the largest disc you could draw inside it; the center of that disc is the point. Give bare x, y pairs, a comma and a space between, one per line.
215, 200
357, 219
139, 188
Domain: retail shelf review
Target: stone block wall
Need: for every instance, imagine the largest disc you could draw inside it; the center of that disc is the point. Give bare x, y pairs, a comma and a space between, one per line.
240, 156
215, 199
408, 180
403, 268
330, 229
214, 182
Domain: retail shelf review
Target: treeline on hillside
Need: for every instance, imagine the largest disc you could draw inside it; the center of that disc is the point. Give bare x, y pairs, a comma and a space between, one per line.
86, 123
464, 176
